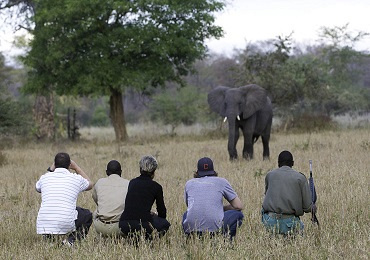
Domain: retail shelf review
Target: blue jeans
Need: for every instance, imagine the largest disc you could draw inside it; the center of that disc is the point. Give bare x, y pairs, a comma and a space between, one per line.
283, 226
232, 220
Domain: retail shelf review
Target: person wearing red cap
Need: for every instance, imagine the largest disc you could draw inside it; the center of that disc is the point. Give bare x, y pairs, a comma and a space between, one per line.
287, 197
204, 200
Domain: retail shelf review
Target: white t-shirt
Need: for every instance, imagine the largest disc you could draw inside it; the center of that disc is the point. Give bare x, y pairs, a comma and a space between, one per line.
59, 191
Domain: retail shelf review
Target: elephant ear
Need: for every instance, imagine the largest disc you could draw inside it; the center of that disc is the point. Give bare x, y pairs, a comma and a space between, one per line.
216, 99
255, 99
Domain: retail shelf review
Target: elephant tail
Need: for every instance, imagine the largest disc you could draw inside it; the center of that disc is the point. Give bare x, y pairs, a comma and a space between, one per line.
255, 138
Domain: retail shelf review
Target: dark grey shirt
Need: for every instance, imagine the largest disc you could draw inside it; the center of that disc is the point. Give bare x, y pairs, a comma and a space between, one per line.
287, 192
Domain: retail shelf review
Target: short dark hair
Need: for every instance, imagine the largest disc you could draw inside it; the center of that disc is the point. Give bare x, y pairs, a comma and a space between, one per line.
285, 159
114, 167
196, 174
62, 160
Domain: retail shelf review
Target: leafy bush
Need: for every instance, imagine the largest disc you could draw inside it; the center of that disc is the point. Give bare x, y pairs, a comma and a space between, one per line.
183, 106
13, 120
309, 122
100, 117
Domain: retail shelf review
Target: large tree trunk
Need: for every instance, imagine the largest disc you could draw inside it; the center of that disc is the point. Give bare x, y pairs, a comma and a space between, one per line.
117, 115
43, 114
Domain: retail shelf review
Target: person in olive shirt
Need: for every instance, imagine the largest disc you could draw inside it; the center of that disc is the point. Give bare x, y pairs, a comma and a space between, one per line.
109, 195
141, 195
287, 197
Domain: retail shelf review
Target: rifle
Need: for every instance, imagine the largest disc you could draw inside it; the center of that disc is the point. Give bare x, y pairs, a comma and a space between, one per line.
313, 197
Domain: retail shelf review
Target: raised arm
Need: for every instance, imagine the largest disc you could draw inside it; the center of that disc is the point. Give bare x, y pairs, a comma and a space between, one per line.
79, 171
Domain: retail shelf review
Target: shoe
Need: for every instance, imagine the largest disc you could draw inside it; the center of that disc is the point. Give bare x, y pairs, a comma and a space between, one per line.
67, 243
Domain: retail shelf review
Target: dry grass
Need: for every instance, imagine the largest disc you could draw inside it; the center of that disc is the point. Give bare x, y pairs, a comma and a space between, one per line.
341, 170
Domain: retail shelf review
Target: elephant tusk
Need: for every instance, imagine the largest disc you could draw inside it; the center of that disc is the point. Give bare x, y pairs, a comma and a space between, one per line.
225, 119
238, 118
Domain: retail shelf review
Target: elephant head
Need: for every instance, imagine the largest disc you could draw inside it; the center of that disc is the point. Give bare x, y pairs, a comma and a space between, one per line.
233, 102
240, 106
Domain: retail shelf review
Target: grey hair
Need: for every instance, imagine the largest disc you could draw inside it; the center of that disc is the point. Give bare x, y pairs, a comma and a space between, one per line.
148, 163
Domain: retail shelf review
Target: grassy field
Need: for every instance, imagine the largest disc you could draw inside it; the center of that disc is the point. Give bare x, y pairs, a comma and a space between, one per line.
341, 169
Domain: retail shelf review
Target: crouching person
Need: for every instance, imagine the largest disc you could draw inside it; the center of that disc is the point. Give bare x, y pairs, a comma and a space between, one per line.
142, 192
287, 197
109, 195
59, 188
204, 200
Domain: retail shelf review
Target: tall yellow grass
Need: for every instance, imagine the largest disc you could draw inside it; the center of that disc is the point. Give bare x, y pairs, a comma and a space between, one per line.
341, 165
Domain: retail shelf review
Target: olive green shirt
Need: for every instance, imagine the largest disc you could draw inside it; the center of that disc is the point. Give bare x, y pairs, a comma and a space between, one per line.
287, 192
109, 195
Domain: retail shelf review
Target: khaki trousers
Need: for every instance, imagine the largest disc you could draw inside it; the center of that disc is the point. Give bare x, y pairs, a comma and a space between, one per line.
111, 229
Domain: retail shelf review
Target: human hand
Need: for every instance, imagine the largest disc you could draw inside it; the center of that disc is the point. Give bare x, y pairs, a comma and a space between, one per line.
51, 168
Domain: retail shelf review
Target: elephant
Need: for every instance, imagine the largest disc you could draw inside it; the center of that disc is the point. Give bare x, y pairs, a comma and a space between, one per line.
249, 108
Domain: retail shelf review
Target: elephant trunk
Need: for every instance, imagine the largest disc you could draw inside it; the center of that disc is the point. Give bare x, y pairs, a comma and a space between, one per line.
233, 138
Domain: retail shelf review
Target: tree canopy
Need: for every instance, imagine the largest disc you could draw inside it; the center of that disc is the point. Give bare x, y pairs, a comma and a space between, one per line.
94, 47
86, 47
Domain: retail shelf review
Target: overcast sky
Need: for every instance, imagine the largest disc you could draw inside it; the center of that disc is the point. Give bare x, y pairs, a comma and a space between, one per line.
251, 20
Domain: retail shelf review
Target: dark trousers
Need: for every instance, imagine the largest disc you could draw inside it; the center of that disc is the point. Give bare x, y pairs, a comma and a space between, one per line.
83, 223
132, 228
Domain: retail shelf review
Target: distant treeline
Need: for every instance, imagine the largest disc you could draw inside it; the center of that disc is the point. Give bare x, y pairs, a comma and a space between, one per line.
303, 82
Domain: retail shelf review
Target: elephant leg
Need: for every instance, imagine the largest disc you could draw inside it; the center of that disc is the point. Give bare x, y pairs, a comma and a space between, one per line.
233, 153
248, 146
266, 149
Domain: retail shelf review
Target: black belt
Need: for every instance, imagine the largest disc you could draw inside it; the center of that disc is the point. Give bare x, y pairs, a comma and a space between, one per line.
107, 222
279, 215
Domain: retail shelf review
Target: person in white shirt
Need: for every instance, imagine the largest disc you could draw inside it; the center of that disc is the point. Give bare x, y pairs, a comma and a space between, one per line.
59, 188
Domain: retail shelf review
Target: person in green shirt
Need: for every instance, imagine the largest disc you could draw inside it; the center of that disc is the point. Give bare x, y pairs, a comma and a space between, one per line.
287, 197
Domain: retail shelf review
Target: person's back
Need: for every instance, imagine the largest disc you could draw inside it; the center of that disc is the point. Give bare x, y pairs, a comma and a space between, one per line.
287, 197
142, 193
109, 195
59, 188
204, 197
59, 192
284, 192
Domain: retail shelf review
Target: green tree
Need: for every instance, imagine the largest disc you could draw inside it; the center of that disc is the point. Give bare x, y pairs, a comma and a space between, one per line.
43, 109
100, 117
103, 47
176, 107
345, 67
13, 114
291, 79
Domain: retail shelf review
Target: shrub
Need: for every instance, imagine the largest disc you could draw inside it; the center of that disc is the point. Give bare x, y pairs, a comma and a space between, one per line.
100, 117
183, 106
309, 122
13, 120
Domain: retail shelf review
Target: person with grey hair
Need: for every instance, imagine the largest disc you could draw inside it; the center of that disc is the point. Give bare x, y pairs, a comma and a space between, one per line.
142, 192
